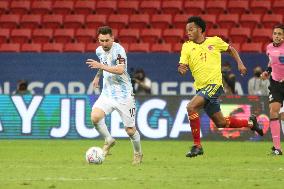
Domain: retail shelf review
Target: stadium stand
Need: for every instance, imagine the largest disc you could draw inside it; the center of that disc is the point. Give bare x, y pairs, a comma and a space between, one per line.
85, 7
135, 23
158, 47
31, 47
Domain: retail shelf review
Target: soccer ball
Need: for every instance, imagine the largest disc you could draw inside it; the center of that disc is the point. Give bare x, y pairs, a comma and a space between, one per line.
94, 155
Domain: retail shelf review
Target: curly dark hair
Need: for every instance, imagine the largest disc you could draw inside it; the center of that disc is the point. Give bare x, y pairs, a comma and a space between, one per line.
198, 21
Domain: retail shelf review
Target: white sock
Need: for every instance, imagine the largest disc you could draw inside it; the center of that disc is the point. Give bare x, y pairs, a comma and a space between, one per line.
135, 139
282, 125
102, 129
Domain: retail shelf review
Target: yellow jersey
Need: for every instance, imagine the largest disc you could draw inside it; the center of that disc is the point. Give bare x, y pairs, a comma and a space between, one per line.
204, 60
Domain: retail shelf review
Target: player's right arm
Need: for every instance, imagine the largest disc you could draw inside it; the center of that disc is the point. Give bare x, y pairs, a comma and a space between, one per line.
97, 78
183, 63
265, 75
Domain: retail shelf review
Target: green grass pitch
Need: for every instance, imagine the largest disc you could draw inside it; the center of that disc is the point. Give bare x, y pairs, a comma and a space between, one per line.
53, 164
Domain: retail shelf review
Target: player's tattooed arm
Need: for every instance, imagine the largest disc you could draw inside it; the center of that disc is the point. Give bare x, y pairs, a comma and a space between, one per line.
97, 79
234, 53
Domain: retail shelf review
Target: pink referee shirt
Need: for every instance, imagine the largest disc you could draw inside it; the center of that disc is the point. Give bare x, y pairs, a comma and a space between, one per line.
276, 56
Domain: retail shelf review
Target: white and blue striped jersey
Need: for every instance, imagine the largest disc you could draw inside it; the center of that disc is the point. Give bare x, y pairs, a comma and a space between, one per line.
117, 87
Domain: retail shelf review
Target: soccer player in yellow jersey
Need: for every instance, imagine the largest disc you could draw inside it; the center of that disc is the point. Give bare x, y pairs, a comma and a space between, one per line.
202, 56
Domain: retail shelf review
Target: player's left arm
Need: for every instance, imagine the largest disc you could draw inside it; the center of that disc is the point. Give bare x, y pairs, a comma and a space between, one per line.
234, 53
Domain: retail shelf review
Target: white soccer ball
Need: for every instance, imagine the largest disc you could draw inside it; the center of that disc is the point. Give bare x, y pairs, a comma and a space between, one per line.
95, 155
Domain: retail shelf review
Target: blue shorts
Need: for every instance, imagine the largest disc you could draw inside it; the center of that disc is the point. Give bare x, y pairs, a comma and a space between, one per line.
211, 94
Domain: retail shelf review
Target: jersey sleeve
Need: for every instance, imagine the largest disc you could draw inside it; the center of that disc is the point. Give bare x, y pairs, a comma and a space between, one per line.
220, 44
121, 58
184, 55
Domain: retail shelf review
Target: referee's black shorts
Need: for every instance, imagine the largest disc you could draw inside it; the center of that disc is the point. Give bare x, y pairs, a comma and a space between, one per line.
276, 91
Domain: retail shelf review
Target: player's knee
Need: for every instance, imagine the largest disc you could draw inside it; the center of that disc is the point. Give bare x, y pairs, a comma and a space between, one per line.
130, 131
191, 108
95, 118
274, 114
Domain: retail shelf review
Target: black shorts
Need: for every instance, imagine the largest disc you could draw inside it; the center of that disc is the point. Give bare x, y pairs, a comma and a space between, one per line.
276, 91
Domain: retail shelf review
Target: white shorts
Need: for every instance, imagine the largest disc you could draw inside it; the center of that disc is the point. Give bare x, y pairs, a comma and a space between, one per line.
126, 109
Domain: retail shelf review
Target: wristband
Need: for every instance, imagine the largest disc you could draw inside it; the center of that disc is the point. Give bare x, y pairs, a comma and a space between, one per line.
268, 70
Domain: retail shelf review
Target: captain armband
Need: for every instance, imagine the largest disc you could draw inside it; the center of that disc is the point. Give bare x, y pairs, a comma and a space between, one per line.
268, 70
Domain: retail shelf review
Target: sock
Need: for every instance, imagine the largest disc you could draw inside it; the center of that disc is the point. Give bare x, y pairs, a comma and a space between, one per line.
236, 123
102, 129
194, 121
275, 132
135, 139
282, 125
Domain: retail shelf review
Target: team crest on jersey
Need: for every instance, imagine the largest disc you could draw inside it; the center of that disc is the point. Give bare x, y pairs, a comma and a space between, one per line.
210, 47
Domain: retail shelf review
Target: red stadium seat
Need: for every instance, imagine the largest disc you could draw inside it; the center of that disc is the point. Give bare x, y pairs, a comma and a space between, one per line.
31, 47
250, 20
153, 7
262, 35
4, 35
62, 7
20, 7
165, 47
20, 35
127, 7
52, 21
10, 47
74, 47
172, 7
9, 20
128, 35
162, 21
74, 21
240, 35
210, 20
278, 7
52, 47
180, 20
139, 21
95, 21
63, 35
173, 35
42, 35
41, 7
238, 7
31, 21
194, 7
260, 7
139, 47
85, 35
228, 20
270, 20
220, 32
177, 47
236, 46
118, 21
125, 46
216, 7
106, 7
251, 47
150, 35
4, 7
85, 7
91, 47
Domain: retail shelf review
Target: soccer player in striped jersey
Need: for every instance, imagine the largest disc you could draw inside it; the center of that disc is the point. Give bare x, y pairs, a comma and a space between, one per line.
116, 92
202, 55
275, 70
